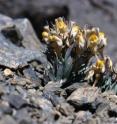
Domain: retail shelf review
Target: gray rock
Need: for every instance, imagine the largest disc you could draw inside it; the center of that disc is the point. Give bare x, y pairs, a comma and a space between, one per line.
65, 120
103, 109
31, 75
65, 109
16, 101
5, 108
22, 91
54, 87
55, 99
23, 116
12, 55
42, 103
74, 86
19, 81
7, 120
1, 90
84, 95
29, 40
82, 116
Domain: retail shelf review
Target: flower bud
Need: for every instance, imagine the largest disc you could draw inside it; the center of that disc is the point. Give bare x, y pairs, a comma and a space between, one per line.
60, 25
100, 66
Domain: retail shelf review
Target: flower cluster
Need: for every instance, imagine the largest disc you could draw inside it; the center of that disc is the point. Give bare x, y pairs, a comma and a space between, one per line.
72, 50
63, 34
99, 68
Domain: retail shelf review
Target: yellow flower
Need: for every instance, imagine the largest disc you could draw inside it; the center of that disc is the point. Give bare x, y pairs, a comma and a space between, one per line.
52, 38
100, 66
93, 41
60, 25
101, 34
93, 38
80, 39
45, 34
103, 39
74, 30
100, 63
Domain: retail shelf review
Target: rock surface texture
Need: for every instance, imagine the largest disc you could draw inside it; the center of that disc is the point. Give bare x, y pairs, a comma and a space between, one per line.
25, 99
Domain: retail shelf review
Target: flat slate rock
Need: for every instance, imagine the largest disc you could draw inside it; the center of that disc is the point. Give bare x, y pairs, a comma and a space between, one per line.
16, 101
84, 95
30, 39
11, 54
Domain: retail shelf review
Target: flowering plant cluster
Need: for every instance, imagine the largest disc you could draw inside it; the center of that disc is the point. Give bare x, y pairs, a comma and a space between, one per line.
77, 54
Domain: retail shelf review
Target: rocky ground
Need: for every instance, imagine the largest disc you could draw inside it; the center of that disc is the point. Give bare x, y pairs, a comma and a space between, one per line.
26, 99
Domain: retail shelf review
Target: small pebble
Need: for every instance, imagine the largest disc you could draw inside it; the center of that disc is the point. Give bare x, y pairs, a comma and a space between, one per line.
32, 91
8, 72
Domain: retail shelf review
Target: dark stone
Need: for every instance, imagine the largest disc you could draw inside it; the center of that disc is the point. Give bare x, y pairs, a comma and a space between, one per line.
30, 74
54, 87
1, 90
73, 87
42, 103
85, 98
84, 95
65, 109
13, 56
55, 100
16, 101
13, 34
102, 109
30, 40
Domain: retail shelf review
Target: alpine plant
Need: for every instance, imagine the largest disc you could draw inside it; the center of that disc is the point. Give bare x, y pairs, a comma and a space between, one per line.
76, 54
